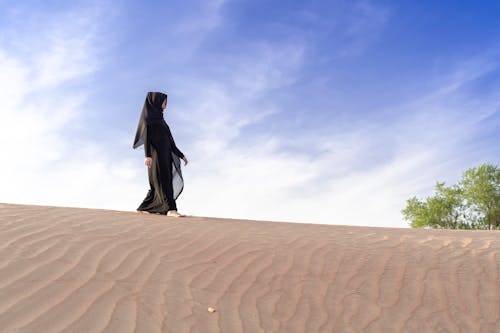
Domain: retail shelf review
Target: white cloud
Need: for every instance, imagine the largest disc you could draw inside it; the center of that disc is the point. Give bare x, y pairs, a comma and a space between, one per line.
420, 142
41, 161
361, 175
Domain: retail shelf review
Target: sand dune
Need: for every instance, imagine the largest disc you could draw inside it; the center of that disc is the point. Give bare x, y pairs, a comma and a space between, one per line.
90, 270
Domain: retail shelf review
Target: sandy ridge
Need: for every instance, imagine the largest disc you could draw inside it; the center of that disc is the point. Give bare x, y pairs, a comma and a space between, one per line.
93, 270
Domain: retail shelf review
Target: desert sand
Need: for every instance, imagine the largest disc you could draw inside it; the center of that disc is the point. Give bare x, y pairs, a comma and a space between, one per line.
93, 270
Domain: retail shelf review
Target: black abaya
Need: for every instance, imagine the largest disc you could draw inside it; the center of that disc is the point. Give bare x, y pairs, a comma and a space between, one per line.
165, 176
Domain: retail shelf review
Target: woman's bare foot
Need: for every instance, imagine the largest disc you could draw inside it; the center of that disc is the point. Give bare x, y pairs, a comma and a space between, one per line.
174, 213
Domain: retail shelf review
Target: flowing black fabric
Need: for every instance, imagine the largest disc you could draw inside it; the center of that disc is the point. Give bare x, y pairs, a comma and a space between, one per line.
165, 176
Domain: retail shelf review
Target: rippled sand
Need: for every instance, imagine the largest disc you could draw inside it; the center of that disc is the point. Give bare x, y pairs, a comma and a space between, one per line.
90, 270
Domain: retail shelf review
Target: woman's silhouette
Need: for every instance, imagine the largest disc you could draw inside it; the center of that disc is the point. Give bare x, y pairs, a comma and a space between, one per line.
162, 158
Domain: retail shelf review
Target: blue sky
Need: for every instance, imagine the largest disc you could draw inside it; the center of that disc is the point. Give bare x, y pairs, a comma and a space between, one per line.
322, 111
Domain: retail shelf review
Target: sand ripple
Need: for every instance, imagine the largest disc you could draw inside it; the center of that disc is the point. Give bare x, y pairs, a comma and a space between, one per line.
90, 270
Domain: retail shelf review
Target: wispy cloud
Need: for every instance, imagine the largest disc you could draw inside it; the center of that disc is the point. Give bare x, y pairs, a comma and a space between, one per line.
362, 175
251, 155
360, 26
43, 95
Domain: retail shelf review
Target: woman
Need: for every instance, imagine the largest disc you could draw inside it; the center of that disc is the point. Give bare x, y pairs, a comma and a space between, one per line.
162, 158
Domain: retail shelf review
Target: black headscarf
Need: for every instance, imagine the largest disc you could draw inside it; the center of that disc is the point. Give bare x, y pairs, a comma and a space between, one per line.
152, 113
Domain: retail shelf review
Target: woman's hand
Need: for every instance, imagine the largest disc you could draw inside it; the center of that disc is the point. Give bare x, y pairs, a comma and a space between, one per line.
185, 160
148, 161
